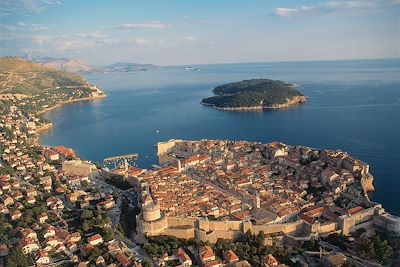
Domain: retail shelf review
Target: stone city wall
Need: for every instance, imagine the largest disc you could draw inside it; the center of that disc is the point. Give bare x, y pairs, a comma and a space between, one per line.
286, 228
180, 233
179, 221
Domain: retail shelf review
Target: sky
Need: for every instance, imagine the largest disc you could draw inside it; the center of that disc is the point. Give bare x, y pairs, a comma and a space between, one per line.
177, 32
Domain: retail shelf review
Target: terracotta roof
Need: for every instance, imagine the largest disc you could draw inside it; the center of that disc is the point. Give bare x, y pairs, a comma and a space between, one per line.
271, 260
213, 263
307, 218
354, 210
122, 259
95, 238
206, 252
230, 256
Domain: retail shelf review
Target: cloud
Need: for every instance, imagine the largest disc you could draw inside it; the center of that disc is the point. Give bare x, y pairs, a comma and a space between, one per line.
8, 27
75, 45
221, 21
97, 34
38, 27
334, 6
81, 42
288, 12
22, 7
138, 41
144, 25
22, 26
41, 39
191, 38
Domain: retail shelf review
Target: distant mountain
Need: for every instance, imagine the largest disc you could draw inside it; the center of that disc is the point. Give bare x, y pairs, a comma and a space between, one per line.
125, 67
64, 64
70, 65
79, 66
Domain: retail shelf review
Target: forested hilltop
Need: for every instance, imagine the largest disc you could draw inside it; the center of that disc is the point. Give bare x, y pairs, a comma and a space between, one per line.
254, 94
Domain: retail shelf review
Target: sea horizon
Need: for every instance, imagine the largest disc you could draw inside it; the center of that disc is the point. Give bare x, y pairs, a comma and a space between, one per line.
276, 61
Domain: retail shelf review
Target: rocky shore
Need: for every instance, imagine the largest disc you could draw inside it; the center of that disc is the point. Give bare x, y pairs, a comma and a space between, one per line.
44, 127
72, 101
289, 103
367, 182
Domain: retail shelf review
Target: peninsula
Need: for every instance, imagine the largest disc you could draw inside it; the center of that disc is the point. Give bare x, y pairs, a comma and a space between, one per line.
253, 95
36, 88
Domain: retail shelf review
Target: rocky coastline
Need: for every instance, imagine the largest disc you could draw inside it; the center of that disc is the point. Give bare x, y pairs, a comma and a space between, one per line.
58, 105
289, 103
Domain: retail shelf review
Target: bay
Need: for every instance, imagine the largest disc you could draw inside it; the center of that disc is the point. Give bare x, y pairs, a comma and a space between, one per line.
353, 106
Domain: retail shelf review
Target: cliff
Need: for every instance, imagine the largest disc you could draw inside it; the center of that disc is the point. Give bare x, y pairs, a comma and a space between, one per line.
289, 102
367, 183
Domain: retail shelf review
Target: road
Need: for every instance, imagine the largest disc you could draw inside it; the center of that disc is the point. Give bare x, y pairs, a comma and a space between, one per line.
115, 217
142, 255
115, 212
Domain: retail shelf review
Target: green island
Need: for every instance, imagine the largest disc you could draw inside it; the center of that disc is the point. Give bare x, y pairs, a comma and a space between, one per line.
254, 94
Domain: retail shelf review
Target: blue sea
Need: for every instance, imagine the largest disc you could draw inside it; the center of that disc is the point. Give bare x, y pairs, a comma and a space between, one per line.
353, 105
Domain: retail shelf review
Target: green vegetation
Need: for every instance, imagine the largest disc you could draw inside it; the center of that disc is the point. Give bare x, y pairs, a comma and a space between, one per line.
95, 220
31, 213
247, 247
251, 93
380, 248
24, 77
159, 245
337, 240
17, 259
39, 87
127, 222
251, 247
5, 229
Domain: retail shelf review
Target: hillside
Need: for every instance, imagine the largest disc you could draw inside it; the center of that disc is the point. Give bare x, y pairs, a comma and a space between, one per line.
20, 76
254, 94
70, 65
40, 87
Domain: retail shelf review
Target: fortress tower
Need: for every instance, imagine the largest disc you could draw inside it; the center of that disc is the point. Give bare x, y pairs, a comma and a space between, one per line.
151, 212
151, 221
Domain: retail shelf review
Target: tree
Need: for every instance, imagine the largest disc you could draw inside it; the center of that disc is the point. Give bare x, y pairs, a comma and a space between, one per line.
56, 183
86, 226
86, 214
108, 234
146, 263
17, 259
84, 184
